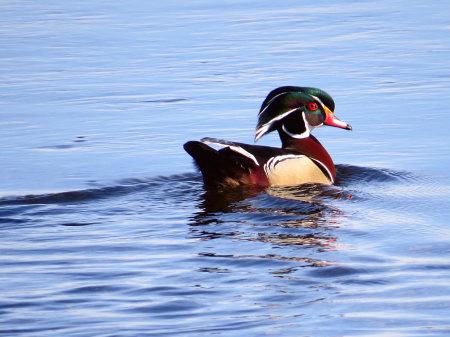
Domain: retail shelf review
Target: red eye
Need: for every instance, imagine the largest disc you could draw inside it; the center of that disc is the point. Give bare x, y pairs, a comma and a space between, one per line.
312, 106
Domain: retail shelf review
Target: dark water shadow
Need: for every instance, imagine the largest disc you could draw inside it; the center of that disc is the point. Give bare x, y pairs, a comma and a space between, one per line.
122, 188
101, 201
351, 176
77, 142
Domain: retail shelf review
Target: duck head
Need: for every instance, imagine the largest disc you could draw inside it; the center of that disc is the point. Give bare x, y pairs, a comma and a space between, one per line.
295, 111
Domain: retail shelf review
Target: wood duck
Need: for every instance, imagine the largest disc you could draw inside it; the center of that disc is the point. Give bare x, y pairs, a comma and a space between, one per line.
292, 111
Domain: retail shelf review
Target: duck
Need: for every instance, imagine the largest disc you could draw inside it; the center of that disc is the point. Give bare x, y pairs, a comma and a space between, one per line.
294, 112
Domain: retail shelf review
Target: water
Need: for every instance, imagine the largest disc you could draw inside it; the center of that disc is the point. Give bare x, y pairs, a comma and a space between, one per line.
106, 227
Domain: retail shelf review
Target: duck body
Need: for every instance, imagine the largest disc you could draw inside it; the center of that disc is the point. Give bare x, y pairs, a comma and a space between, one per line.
293, 112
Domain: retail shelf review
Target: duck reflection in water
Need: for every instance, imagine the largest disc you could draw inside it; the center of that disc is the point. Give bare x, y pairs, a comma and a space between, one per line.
280, 216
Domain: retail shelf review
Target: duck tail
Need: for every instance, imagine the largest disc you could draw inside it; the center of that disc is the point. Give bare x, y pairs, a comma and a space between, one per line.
219, 168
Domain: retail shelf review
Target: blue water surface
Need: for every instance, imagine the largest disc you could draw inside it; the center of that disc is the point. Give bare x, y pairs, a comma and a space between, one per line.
106, 227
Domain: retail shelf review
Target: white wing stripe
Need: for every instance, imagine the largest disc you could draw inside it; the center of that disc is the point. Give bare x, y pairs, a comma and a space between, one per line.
231, 146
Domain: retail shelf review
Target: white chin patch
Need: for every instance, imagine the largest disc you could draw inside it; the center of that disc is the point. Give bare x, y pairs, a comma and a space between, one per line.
305, 134
293, 135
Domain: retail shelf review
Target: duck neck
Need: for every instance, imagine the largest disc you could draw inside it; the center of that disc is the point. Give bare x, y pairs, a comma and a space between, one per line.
310, 147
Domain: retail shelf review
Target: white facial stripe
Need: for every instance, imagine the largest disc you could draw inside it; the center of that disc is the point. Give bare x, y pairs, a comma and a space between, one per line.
269, 103
261, 132
317, 98
300, 136
305, 134
263, 129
